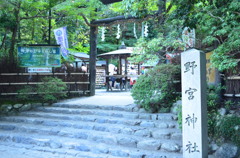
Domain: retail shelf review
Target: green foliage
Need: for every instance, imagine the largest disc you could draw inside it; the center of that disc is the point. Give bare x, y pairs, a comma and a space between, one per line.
23, 94
217, 24
156, 89
51, 90
213, 104
228, 105
228, 129
213, 97
110, 43
139, 8
156, 48
77, 8
81, 48
180, 117
7, 20
107, 47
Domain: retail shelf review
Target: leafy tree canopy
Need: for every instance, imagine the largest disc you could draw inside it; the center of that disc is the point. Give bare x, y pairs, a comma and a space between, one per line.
216, 23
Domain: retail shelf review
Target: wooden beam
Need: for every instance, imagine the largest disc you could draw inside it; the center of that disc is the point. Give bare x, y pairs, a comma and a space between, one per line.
233, 78
112, 19
29, 93
121, 19
109, 1
93, 55
43, 74
35, 83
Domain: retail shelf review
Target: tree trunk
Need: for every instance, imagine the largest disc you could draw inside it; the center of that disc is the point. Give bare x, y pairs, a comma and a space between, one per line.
49, 25
11, 50
4, 38
14, 34
33, 29
161, 10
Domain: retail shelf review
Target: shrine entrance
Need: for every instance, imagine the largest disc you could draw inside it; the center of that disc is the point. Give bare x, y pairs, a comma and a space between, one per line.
122, 74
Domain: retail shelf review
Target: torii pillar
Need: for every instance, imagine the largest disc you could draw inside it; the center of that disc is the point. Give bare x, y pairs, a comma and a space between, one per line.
92, 62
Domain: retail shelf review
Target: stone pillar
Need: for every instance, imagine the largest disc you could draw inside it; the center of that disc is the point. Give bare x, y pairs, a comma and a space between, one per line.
194, 105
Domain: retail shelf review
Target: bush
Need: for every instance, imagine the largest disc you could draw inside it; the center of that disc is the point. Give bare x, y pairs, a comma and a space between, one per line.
179, 115
157, 88
51, 90
24, 95
228, 129
213, 104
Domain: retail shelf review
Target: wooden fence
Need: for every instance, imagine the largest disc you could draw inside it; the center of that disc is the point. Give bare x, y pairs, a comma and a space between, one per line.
10, 83
232, 86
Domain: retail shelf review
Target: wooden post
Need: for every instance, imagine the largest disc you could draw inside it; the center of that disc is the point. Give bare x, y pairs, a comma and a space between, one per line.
138, 72
126, 65
120, 67
126, 78
92, 62
107, 73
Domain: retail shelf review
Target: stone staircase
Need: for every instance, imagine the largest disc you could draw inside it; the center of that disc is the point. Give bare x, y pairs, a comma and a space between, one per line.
90, 131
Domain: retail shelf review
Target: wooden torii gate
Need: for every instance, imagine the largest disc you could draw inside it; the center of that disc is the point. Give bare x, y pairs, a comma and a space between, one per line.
106, 22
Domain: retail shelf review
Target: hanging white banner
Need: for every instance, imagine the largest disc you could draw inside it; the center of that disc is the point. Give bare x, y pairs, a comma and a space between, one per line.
61, 38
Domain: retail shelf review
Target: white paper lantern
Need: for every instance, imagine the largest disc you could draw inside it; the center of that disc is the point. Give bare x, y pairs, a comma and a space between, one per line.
103, 34
145, 30
134, 31
118, 31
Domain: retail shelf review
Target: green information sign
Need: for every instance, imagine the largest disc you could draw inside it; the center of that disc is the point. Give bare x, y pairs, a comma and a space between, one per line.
39, 56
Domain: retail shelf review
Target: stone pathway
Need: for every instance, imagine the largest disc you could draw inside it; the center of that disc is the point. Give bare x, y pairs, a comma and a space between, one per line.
108, 125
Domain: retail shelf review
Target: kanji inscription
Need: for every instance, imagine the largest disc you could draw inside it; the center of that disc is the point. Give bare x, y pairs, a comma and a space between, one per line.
194, 109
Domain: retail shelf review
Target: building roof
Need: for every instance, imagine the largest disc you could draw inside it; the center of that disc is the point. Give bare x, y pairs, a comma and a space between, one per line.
120, 52
117, 52
81, 55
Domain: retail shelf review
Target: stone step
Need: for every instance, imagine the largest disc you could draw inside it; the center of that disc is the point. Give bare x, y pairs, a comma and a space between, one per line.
112, 113
56, 142
9, 123
27, 151
129, 108
102, 119
163, 136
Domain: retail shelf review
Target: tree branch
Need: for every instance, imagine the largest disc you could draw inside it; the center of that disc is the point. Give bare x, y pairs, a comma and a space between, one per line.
169, 7
216, 17
14, 4
86, 20
32, 17
237, 13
